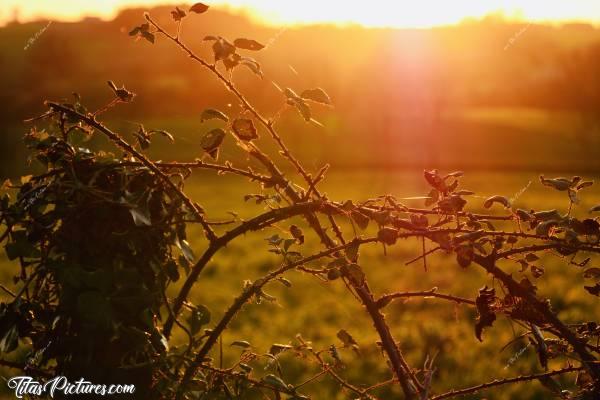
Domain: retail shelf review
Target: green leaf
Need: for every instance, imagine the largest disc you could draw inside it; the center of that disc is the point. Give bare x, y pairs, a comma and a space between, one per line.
543, 229
361, 219
212, 141
297, 233
10, 340
140, 217
561, 184
199, 316
279, 348
547, 215
354, 272
304, 109
172, 270
346, 338
20, 246
186, 250
247, 44
241, 343
211, 113
275, 381
244, 129
352, 250
317, 95
199, 8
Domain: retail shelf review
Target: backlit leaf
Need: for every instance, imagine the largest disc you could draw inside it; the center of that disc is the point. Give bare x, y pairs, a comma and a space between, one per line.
244, 129
496, 199
211, 113
317, 95
247, 44
199, 8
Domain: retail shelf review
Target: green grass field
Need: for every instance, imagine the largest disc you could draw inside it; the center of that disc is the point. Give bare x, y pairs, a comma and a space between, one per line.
318, 309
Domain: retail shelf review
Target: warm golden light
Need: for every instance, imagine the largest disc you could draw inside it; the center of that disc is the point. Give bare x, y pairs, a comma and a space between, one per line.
373, 13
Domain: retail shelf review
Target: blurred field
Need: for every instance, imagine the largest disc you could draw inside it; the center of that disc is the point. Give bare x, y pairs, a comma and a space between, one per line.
317, 310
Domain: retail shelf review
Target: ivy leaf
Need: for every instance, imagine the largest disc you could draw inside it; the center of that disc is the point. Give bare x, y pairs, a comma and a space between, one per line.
199, 8
186, 250
200, 316
140, 218
276, 382
248, 44
244, 129
94, 308
212, 141
317, 95
10, 340
211, 113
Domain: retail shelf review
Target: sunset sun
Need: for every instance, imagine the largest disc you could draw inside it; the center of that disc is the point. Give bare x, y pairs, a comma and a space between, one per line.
375, 13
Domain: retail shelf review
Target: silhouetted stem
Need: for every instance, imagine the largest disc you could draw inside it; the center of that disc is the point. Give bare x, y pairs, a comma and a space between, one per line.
500, 382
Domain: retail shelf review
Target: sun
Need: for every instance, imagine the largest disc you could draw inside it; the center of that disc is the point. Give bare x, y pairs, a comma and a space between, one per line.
370, 13
416, 14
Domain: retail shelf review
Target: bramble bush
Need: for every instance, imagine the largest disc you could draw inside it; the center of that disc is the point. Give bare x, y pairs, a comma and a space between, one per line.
100, 238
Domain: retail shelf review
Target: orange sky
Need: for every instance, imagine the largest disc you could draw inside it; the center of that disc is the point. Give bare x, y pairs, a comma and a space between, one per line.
382, 13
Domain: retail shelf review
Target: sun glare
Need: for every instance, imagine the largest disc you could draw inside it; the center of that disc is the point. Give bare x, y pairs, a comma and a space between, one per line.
373, 13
